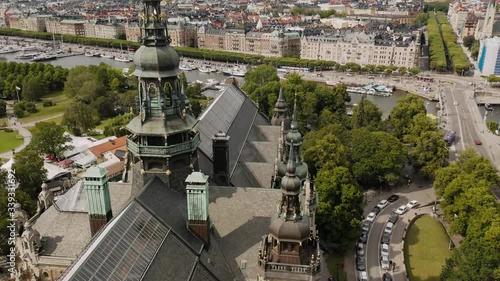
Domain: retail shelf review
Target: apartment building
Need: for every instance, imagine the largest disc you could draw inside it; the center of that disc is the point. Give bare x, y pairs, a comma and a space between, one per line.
104, 30
31, 23
363, 48
271, 44
71, 27
132, 31
489, 58
182, 34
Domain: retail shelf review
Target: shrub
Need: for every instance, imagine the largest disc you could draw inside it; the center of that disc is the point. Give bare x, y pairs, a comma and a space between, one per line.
8, 130
47, 103
31, 107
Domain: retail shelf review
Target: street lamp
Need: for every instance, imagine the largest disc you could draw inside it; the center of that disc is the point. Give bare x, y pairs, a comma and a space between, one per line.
17, 92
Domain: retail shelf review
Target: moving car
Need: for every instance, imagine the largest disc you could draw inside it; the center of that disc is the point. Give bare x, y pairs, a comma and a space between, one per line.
455, 103
477, 142
388, 227
384, 250
393, 198
387, 277
401, 210
382, 204
371, 217
412, 204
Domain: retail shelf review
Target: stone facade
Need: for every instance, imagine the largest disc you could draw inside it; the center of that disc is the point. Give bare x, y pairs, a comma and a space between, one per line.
31, 23
182, 34
106, 31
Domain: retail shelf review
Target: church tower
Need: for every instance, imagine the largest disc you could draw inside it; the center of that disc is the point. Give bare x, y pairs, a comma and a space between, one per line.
489, 20
291, 250
95, 184
162, 142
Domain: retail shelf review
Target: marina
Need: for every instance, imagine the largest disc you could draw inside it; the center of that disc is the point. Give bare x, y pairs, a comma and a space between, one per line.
374, 89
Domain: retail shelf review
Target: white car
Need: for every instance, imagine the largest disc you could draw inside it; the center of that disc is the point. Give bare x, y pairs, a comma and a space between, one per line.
384, 261
361, 249
371, 217
363, 276
388, 227
384, 250
455, 103
401, 210
382, 204
412, 204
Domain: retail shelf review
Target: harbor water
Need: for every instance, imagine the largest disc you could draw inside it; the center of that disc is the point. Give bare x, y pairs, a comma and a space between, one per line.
384, 103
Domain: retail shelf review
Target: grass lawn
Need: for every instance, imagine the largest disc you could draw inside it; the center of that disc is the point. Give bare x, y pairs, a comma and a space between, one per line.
57, 119
54, 95
9, 141
334, 262
45, 112
426, 249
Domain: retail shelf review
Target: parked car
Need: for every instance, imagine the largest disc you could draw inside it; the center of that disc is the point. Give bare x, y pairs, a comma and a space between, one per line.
382, 204
394, 217
393, 198
384, 250
387, 277
401, 210
364, 237
360, 263
412, 204
388, 227
386, 238
376, 210
362, 276
384, 262
360, 249
366, 226
477, 142
371, 217
455, 103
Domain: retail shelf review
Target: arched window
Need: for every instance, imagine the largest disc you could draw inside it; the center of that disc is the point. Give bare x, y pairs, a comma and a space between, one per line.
153, 93
168, 94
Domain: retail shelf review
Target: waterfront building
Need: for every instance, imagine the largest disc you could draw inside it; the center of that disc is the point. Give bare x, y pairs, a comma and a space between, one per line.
104, 30
70, 27
399, 50
182, 34
132, 31
30, 23
489, 58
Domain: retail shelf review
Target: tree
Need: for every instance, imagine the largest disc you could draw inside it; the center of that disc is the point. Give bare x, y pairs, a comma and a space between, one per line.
193, 91
333, 99
340, 207
377, 158
402, 114
30, 173
80, 118
366, 114
82, 84
116, 125
478, 166
473, 261
418, 125
259, 76
49, 138
444, 176
32, 88
327, 153
430, 152
3, 108
468, 41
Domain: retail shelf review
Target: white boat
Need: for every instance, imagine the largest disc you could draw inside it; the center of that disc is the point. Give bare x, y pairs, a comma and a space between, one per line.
89, 54
199, 82
212, 82
205, 68
107, 56
240, 72
122, 58
187, 67
9, 49
45, 57
331, 83
26, 56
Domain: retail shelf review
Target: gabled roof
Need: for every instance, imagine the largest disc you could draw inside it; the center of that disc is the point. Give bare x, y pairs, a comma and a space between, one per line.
149, 240
111, 145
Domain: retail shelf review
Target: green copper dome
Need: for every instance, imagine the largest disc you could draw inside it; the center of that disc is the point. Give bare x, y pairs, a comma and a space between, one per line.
156, 61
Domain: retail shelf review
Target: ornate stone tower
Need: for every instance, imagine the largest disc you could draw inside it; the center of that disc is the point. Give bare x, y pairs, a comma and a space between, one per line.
293, 138
197, 205
291, 250
162, 141
95, 184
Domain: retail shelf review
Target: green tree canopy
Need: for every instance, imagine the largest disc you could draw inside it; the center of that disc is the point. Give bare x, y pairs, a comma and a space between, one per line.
32, 88
48, 138
402, 114
30, 173
80, 118
327, 153
430, 152
366, 114
340, 207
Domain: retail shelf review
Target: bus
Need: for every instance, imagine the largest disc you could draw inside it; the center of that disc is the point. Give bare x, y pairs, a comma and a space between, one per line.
449, 138
425, 78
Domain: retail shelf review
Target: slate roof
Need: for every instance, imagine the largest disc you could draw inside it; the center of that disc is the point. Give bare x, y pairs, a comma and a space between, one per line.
64, 227
149, 240
158, 126
233, 113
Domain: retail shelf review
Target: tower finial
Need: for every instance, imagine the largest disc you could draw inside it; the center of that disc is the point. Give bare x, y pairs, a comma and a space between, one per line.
290, 167
294, 125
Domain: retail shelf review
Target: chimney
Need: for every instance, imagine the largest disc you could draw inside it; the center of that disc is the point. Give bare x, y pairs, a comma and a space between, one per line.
220, 147
197, 205
95, 184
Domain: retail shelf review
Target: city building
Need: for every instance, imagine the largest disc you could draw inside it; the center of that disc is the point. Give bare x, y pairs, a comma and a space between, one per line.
31, 23
489, 58
132, 31
401, 49
71, 27
182, 34
104, 30
489, 20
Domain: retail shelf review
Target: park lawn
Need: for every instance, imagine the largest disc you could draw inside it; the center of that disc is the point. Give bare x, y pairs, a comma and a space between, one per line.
9, 141
57, 119
426, 249
54, 95
46, 112
334, 263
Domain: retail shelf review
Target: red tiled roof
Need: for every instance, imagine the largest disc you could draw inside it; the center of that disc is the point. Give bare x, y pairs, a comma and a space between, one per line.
111, 146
